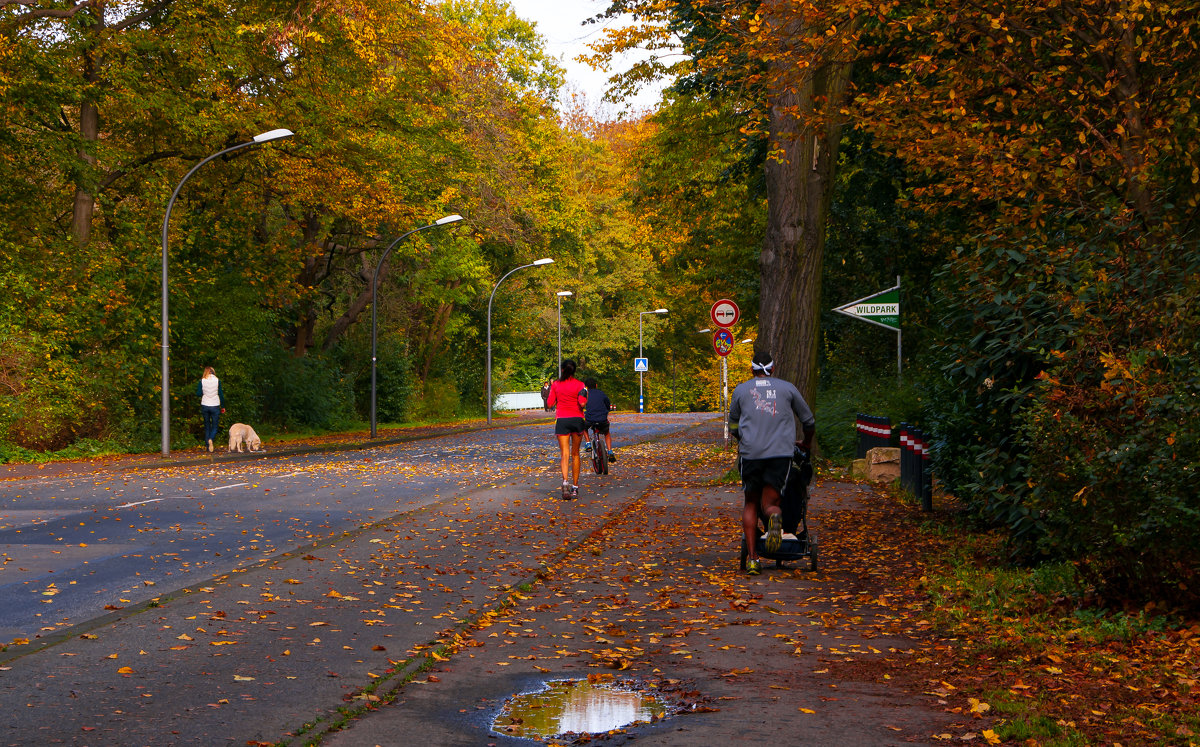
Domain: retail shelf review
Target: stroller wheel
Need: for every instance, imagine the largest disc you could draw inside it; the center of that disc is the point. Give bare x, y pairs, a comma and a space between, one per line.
812, 554
744, 554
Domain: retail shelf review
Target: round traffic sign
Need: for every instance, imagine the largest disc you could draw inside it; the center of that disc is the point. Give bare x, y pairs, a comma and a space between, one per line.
722, 342
725, 313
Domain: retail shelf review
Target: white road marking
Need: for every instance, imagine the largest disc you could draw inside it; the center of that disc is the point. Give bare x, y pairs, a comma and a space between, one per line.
139, 503
226, 487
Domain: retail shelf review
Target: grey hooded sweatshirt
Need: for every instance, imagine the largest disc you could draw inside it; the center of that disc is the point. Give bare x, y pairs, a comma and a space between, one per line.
761, 413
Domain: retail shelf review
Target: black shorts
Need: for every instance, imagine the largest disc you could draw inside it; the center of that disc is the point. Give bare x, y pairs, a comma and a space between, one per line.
601, 426
567, 426
759, 472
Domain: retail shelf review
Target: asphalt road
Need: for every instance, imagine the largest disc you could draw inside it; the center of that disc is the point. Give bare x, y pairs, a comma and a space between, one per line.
76, 548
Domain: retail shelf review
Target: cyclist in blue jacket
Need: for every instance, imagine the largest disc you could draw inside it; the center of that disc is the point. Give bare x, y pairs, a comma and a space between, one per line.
596, 413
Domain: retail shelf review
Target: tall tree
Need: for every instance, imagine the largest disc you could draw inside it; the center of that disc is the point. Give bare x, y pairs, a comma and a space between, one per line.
788, 64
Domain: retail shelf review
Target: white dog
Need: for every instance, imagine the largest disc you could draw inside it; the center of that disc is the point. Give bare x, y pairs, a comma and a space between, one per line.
243, 437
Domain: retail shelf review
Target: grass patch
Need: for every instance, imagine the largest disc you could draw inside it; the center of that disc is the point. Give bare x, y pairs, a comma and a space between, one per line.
1054, 668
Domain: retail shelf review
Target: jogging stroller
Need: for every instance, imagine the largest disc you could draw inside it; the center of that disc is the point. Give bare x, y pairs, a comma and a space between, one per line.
798, 542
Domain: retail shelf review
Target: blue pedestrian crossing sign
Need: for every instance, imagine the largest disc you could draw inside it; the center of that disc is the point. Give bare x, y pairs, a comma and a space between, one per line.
641, 364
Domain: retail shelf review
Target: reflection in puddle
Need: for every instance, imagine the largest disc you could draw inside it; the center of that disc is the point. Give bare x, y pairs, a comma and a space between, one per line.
575, 706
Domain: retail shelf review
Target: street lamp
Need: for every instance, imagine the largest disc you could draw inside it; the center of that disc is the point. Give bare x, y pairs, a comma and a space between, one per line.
375, 288
641, 398
545, 261
166, 339
560, 295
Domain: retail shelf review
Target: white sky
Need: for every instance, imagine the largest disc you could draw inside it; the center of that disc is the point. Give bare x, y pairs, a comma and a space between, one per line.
561, 23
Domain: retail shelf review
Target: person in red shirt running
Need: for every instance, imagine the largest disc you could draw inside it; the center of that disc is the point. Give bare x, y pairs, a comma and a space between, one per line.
568, 396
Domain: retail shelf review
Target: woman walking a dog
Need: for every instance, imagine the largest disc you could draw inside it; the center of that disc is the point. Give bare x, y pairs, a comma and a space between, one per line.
212, 404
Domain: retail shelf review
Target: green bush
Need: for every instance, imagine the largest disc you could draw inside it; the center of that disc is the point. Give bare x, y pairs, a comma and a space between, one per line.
438, 401
394, 383
837, 409
308, 392
1070, 412
853, 383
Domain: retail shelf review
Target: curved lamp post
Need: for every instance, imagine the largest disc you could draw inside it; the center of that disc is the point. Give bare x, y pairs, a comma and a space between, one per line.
166, 331
536, 263
375, 290
560, 295
641, 400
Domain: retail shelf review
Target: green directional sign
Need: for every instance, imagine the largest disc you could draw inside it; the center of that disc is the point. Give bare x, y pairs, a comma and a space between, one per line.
883, 309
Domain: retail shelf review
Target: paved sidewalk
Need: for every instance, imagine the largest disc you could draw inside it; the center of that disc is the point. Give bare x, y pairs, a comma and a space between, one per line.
416, 629
654, 601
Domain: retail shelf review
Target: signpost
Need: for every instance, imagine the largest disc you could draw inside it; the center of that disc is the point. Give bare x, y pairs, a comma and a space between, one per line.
881, 309
724, 313
641, 364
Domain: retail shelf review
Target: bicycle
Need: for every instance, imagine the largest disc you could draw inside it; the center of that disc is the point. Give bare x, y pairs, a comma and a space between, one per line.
599, 452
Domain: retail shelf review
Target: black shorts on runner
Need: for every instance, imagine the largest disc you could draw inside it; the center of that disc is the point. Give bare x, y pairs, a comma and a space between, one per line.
759, 472
601, 426
567, 426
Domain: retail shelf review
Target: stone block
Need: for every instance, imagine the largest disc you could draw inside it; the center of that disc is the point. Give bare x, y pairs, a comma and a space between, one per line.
858, 469
883, 464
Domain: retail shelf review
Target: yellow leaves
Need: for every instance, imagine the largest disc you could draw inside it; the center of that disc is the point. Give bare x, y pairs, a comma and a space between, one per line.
125, 670
991, 736
802, 709
242, 678
223, 643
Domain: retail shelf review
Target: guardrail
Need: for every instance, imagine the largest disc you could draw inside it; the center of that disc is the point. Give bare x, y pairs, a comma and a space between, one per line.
916, 476
916, 473
873, 431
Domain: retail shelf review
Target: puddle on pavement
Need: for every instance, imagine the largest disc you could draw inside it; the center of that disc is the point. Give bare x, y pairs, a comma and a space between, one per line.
576, 706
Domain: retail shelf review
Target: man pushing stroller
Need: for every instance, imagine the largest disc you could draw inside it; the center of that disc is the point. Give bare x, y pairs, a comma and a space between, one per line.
762, 417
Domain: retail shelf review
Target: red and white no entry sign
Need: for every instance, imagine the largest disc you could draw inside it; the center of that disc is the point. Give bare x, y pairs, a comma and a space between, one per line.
725, 313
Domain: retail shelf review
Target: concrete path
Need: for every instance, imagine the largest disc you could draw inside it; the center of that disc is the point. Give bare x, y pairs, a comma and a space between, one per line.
416, 629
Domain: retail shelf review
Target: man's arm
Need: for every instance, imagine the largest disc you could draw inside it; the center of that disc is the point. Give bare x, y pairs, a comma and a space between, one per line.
807, 421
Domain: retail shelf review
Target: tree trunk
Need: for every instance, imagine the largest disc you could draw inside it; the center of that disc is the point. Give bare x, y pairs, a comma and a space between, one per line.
805, 127
311, 275
84, 206
436, 335
360, 303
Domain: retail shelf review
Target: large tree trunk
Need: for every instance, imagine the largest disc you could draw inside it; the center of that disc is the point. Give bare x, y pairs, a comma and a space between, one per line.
805, 127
